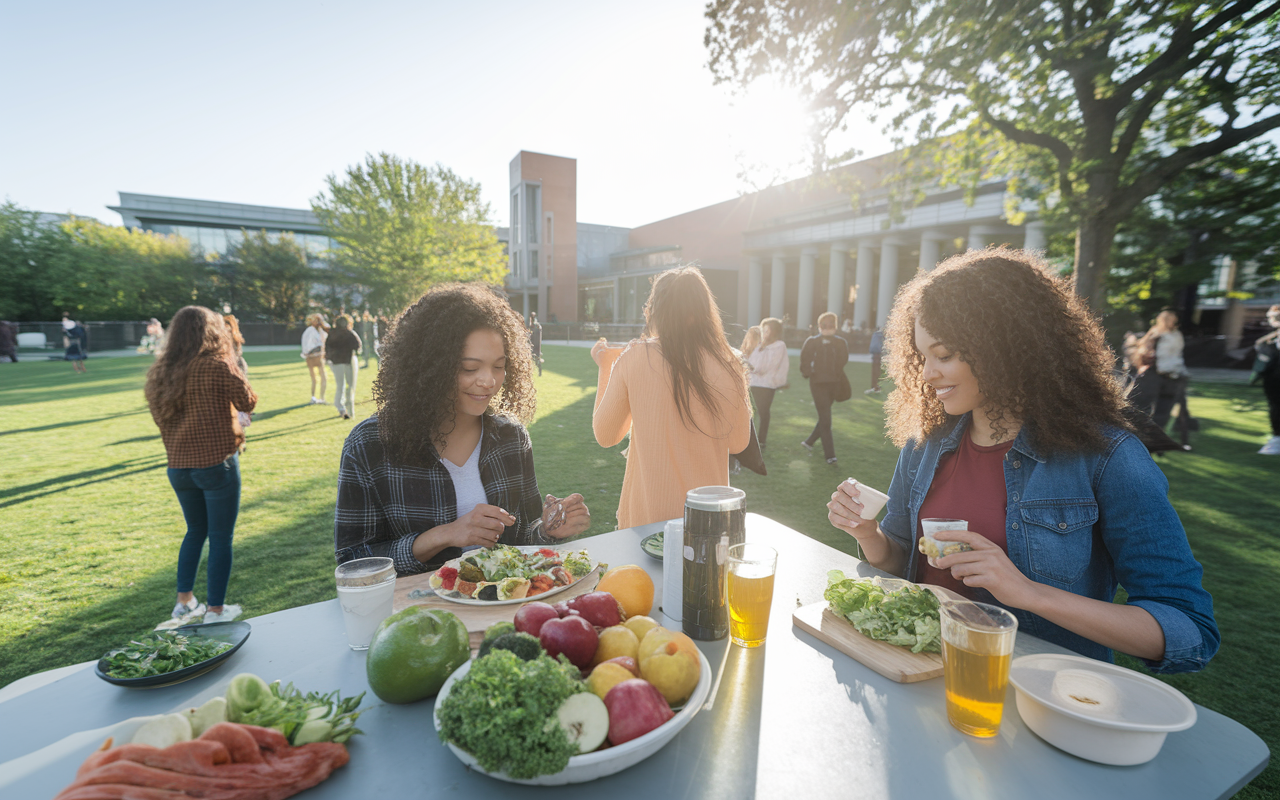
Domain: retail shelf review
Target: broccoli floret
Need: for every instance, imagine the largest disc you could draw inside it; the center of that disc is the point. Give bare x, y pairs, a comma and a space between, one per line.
492, 633
522, 644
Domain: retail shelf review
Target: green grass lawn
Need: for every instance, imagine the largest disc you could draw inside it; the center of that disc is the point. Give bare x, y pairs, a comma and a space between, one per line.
89, 528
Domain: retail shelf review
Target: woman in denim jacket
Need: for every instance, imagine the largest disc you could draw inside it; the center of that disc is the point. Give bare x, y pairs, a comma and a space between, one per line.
1009, 417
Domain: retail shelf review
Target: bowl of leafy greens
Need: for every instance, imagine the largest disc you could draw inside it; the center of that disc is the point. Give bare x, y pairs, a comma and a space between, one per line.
500, 721
162, 658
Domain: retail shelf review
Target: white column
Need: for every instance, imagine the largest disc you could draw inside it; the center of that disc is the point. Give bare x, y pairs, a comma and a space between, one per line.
888, 279
525, 296
755, 289
804, 304
1035, 236
778, 286
617, 300
930, 249
835, 278
862, 302
976, 240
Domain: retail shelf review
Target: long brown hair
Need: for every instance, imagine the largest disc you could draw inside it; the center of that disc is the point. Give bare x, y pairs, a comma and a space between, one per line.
682, 313
194, 332
417, 385
1037, 352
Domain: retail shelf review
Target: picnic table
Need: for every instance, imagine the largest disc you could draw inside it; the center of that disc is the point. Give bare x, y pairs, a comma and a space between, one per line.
794, 718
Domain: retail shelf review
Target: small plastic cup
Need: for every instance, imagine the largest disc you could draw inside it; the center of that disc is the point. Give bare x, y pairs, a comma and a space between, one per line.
750, 592
872, 499
934, 549
366, 592
977, 647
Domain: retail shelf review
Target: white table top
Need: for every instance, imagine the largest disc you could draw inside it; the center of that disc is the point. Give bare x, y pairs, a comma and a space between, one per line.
827, 726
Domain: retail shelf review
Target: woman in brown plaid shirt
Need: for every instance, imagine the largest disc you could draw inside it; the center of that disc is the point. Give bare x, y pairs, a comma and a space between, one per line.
194, 390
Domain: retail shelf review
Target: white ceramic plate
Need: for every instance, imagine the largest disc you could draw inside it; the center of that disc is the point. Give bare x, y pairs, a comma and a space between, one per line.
454, 597
604, 762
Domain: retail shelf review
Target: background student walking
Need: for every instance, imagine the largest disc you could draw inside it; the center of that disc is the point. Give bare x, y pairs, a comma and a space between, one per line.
313, 351
822, 360
769, 367
341, 348
535, 340
876, 349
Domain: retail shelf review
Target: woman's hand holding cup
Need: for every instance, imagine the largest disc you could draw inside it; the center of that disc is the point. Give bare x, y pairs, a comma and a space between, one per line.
853, 508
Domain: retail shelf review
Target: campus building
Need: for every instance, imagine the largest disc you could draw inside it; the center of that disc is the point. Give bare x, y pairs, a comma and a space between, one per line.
791, 251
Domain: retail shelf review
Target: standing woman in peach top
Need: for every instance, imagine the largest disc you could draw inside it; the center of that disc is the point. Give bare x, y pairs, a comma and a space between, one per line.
681, 392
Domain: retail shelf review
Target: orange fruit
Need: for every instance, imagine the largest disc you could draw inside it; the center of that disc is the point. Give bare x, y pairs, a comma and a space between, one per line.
631, 586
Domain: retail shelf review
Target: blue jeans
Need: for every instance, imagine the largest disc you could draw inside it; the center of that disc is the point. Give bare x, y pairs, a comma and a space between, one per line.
210, 500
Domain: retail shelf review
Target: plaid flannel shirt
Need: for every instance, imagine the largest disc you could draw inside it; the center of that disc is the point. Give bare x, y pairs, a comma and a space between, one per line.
208, 430
382, 507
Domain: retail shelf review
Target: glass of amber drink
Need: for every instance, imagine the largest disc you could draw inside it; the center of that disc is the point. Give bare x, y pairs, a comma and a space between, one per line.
751, 569
977, 646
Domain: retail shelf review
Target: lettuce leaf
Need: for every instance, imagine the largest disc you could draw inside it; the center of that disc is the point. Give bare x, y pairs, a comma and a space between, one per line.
907, 617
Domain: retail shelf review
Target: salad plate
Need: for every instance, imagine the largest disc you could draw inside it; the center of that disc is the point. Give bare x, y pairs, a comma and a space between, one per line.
526, 563
652, 544
234, 633
597, 764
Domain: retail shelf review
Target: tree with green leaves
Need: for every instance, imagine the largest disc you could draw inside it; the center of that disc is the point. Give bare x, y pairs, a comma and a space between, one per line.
404, 228
1226, 208
271, 276
1092, 105
95, 271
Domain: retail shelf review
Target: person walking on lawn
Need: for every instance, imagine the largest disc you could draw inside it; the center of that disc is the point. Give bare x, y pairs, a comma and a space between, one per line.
1266, 369
876, 349
194, 390
341, 348
535, 340
822, 361
769, 367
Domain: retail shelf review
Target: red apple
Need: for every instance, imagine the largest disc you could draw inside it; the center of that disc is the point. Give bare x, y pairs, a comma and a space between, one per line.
635, 708
599, 608
530, 617
571, 635
627, 662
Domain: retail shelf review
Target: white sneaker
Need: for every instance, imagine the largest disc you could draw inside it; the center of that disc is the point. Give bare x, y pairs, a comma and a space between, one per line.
315, 401
808, 447
194, 608
229, 612
1271, 448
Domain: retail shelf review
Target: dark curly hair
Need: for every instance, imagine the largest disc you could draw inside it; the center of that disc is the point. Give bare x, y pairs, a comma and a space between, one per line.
419, 359
1038, 354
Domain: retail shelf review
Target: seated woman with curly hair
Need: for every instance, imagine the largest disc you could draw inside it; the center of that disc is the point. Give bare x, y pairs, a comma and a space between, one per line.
1009, 417
445, 463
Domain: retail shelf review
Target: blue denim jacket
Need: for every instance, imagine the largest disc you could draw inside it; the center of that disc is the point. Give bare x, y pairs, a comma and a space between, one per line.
1082, 522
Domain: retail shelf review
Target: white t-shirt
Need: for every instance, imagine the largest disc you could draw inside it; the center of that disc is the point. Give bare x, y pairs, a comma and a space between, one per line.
467, 486
312, 338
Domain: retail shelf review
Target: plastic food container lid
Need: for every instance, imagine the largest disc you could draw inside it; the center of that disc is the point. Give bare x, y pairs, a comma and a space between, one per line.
715, 498
365, 571
1103, 694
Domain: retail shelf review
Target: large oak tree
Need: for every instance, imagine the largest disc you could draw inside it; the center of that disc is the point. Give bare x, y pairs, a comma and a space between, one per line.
1091, 106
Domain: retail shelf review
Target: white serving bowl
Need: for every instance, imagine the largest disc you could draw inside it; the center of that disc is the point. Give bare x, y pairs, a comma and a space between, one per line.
589, 766
1096, 710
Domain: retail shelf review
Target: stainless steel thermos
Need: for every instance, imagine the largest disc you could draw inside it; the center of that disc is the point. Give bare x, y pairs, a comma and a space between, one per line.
714, 520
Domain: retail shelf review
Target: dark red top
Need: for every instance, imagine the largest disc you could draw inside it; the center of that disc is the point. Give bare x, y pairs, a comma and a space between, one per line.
968, 485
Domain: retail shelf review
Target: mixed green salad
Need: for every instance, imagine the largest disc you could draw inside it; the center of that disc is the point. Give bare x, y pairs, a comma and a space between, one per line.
160, 653
505, 561
907, 616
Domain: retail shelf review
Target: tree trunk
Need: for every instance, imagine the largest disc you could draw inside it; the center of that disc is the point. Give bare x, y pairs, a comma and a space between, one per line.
1094, 237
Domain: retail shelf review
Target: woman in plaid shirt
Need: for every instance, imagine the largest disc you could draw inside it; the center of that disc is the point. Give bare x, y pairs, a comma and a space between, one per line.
445, 464
195, 390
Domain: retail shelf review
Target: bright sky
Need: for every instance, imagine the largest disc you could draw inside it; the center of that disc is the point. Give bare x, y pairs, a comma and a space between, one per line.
256, 102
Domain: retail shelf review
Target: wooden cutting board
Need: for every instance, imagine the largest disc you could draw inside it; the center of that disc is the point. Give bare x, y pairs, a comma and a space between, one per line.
478, 618
893, 661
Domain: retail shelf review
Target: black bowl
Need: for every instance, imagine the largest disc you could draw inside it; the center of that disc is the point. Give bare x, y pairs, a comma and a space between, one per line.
235, 633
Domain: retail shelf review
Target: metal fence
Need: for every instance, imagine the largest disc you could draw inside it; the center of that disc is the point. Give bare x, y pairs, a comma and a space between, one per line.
128, 335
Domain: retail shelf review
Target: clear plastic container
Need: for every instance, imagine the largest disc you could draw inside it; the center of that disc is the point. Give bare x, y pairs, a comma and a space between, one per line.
366, 592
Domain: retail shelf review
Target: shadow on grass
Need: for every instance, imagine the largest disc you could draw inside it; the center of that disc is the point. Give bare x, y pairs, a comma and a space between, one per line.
135, 440
124, 468
282, 566
275, 412
74, 422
